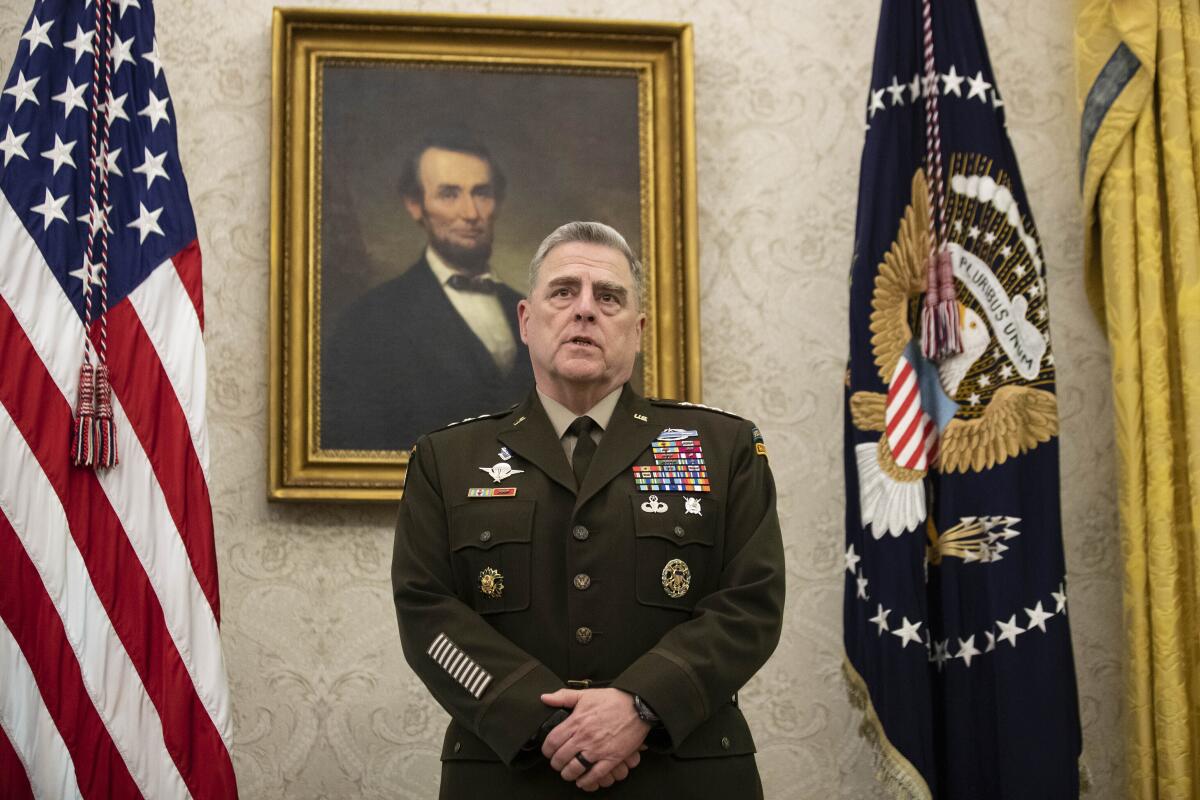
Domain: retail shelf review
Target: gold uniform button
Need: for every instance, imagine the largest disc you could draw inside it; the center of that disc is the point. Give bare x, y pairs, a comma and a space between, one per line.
679, 531
485, 536
580, 533
583, 581
725, 743
583, 634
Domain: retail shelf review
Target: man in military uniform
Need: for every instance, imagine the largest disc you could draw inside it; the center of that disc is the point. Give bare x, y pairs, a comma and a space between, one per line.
585, 581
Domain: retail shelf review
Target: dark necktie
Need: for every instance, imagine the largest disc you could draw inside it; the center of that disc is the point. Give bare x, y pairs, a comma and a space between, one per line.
585, 447
471, 283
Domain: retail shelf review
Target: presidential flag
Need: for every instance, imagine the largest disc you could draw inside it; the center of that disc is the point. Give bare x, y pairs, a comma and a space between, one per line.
112, 682
957, 644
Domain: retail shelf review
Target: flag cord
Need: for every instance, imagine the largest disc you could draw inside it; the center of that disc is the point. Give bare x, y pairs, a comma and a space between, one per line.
940, 334
93, 441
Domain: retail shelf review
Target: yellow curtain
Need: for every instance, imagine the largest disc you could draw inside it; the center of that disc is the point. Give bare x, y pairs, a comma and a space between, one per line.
1138, 66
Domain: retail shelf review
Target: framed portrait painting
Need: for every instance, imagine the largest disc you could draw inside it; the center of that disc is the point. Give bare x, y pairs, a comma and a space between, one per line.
416, 163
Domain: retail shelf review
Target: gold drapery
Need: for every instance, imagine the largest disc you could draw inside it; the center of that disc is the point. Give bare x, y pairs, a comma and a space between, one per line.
1138, 66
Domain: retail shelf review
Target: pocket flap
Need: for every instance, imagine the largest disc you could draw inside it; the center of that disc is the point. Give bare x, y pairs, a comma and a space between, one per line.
490, 522
674, 525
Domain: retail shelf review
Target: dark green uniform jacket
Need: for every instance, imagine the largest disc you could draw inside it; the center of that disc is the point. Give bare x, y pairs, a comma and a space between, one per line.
584, 595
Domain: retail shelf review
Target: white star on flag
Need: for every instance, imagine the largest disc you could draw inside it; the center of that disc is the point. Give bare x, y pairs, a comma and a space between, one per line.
82, 272
991, 642
154, 57
978, 87
81, 44
908, 632
22, 90
60, 154
147, 222
861, 580
967, 649
111, 159
941, 652
121, 51
952, 82
124, 4
880, 618
51, 208
71, 97
1037, 617
155, 110
914, 87
13, 145
152, 168
116, 108
852, 560
896, 90
1009, 631
1060, 600
102, 218
36, 35
876, 102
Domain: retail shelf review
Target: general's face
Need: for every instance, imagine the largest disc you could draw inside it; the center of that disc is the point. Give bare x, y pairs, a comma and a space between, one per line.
458, 209
582, 322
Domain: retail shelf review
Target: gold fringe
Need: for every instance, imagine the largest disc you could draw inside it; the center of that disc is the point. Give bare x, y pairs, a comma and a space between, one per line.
900, 779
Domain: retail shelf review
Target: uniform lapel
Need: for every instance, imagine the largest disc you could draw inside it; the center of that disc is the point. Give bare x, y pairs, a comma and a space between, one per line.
531, 436
629, 433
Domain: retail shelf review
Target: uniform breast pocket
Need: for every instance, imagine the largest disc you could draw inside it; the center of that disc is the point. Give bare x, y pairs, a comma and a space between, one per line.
491, 544
676, 558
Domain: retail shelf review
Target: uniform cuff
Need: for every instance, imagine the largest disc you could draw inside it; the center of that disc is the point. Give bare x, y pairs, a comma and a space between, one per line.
669, 688
516, 711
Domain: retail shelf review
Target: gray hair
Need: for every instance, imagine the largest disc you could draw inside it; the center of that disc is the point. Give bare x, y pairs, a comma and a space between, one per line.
590, 233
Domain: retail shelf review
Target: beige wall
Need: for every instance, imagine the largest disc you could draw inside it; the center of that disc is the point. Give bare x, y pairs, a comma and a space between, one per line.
325, 706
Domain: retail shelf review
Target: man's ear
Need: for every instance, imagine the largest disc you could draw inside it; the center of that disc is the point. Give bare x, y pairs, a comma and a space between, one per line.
523, 319
416, 209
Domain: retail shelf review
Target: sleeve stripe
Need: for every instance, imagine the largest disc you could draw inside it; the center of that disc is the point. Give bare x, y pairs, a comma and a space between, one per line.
461, 667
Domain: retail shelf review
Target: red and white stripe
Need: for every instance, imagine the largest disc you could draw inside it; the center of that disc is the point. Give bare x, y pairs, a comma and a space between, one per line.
113, 679
912, 435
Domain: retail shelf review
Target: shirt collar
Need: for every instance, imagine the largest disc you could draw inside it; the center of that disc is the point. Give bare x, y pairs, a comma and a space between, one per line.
441, 270
561, 417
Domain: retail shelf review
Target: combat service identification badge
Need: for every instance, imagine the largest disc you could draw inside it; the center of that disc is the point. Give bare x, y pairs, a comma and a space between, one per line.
491, 582
676, 578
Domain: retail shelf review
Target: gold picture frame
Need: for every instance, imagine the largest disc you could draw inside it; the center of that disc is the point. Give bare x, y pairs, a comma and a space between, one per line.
348, 87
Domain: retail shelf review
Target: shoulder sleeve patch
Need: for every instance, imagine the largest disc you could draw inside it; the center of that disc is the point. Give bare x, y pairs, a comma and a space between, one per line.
759, 446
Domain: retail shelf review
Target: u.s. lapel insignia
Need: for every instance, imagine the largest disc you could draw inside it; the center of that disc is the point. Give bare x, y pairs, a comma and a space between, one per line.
653, 506
641, 417
676, 578
504, 454
691, 505
500, 471
491, 582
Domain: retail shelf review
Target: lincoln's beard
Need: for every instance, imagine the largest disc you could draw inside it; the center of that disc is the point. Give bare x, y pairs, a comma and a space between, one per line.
473, 259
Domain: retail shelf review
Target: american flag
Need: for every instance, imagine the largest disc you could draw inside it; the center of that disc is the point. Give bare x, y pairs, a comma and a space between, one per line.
112, 682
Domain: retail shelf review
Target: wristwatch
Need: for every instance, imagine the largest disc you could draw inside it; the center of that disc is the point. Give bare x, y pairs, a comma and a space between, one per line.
645, 713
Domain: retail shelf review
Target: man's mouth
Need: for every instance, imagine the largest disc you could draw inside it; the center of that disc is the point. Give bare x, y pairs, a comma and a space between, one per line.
583, 341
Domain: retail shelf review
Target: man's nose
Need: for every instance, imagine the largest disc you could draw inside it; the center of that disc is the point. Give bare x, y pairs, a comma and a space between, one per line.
469, 207
585, 305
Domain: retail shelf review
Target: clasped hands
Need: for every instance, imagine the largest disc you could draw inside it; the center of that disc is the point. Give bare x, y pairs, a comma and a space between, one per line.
604, 728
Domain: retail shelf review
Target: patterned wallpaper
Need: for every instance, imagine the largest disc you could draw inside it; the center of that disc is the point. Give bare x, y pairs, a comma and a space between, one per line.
325, 706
